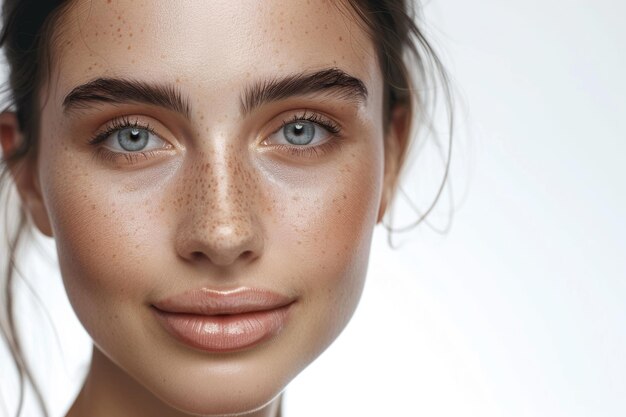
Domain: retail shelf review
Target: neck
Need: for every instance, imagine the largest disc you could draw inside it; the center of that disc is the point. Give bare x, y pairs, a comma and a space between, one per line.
110, 391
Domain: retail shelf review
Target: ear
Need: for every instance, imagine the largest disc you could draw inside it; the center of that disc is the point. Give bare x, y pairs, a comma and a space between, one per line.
396, 139
24, 173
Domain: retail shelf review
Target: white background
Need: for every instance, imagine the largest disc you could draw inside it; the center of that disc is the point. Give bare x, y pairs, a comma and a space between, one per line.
519, 310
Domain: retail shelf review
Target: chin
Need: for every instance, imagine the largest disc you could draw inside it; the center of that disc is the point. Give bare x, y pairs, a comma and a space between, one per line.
237, 395
236, 403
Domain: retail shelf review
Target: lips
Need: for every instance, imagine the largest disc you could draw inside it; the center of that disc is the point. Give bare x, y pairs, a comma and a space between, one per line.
223, 321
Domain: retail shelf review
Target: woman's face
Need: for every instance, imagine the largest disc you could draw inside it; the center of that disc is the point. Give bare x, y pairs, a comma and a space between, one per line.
238, 167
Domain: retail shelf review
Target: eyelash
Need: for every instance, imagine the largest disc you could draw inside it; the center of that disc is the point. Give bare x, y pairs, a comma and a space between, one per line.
114, 126
312, 151
300, 151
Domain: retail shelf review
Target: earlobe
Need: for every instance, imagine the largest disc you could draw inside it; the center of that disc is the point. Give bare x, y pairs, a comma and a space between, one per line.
24, 173
396, 140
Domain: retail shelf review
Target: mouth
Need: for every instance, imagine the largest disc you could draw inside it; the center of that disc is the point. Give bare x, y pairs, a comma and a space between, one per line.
223, 321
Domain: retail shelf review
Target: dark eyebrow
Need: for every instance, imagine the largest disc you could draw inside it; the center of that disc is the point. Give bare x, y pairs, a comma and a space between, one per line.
331, 81
120, 91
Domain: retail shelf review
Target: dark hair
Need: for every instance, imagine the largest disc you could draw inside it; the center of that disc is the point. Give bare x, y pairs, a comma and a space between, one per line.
27, 38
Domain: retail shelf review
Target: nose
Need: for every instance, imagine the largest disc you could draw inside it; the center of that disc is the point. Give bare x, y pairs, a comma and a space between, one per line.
219, 222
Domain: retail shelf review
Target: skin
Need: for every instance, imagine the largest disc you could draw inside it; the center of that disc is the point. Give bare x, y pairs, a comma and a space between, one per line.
218, 207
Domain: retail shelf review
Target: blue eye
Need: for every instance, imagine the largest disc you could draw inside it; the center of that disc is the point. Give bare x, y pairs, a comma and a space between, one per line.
125, 142
299, 133
304, 131
130, 139
133, 138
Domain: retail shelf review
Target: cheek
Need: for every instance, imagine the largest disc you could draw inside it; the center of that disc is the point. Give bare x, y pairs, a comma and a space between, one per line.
105, 239
322, 235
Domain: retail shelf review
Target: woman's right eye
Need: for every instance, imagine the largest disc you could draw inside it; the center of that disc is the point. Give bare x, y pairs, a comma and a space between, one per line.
124, 142
133, 139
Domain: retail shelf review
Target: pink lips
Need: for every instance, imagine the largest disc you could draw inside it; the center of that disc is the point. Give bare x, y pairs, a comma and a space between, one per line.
222, 321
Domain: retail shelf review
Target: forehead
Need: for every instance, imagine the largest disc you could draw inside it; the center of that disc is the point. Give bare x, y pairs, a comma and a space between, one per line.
211, 43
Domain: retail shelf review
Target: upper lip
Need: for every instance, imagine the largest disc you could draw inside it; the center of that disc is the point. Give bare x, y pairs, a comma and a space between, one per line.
207, 301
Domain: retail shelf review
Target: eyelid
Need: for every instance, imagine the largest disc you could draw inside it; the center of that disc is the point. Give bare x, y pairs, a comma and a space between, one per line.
304, 153
120, 123
116, 155
306, 115
124, 122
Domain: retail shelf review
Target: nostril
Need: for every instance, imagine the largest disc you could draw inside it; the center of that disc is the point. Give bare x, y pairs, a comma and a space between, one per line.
221, 245
247, 255
197, 255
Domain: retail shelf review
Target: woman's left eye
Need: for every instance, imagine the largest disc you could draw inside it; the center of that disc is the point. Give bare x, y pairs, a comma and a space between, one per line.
298, 133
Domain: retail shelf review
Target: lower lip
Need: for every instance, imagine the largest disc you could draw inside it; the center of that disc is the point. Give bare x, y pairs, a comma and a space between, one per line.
224, 333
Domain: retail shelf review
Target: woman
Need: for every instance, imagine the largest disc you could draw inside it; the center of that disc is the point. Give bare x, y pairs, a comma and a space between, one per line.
211, 175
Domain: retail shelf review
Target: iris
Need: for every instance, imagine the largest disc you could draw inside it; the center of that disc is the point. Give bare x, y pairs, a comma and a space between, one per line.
299, 133
132, 138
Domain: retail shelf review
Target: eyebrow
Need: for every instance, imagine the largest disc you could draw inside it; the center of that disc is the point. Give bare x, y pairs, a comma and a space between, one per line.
330, 81
120, 91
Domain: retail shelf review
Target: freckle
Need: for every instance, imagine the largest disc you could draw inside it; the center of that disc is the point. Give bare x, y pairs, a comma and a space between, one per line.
345, 196
340, 39
129, 47
93, 206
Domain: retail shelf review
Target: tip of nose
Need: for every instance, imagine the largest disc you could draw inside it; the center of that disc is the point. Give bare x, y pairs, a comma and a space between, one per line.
221, 244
